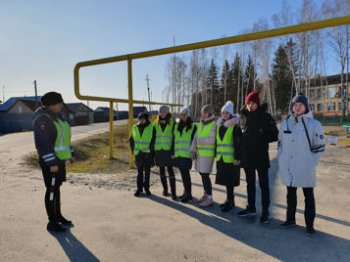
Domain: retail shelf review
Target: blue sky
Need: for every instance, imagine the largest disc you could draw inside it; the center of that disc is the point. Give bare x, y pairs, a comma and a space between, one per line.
43, 39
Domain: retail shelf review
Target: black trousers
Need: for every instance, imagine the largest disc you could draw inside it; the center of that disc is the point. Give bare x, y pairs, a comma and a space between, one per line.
310, 206
53, 206
230, 193
172, 181
186, 180
263, 174
143, 175
206, 183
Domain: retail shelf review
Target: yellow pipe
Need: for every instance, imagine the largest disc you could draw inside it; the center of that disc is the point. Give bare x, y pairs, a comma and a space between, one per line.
111, 118
131, 108
224, 41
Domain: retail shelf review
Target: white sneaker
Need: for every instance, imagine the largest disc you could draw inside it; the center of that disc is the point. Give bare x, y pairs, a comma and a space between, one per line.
204, 197
207, 202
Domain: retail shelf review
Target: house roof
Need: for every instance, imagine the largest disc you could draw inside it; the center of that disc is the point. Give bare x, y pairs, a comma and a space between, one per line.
13, 100
76, 106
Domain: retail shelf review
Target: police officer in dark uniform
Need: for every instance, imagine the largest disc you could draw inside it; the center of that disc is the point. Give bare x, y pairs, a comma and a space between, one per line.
52, 137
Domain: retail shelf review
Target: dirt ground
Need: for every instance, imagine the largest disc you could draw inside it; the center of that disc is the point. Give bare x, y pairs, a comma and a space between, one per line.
112, 225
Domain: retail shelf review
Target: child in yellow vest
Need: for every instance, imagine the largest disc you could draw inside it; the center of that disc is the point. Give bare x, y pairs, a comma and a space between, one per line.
228, 153
183, 136
164, 151
142, 146
203, 151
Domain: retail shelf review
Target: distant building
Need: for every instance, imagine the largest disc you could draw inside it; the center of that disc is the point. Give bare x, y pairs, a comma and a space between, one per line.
16, 114
325, 96
82, 113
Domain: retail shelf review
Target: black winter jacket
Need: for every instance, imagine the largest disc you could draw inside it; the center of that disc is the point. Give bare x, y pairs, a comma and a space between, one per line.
258, 130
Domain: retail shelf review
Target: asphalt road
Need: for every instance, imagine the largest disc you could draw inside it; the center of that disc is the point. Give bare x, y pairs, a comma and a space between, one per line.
23, 142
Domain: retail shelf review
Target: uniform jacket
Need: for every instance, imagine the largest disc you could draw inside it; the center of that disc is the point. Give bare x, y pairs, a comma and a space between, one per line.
296, 157
45, 135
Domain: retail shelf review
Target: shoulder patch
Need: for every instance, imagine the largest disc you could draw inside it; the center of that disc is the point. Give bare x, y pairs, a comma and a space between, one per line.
42, 126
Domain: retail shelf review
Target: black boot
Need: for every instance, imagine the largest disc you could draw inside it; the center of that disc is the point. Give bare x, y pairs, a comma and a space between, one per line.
165, 185
148, 192
227, 206
187, 197
138, 192
60, 218
55, 227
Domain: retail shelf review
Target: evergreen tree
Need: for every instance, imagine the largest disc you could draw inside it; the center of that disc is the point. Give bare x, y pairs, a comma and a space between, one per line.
234, 89
213, 86
282, 78
226, 80
250, 76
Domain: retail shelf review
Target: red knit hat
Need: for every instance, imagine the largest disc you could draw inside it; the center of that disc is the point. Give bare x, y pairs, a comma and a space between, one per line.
254, 97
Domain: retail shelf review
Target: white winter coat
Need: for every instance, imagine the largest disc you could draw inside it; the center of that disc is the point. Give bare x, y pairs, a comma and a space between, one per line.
297, 163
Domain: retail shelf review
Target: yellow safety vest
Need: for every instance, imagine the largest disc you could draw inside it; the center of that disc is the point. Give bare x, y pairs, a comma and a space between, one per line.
142, 143
164, 139
203, 133
63, 145
183, 142
225, 147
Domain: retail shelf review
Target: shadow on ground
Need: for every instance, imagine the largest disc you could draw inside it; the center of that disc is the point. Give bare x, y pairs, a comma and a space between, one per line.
74, 249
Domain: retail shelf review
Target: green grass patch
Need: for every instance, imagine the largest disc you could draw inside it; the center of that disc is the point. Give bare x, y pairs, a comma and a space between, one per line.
92, 153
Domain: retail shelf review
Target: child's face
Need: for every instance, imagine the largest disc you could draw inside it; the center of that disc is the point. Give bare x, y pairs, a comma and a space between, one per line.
251, 106
299, 108
142, 121
204, 115
184, 117
162, 113
225, 115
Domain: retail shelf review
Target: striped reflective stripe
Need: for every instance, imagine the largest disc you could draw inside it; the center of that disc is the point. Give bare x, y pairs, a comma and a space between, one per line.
224, 145
61, 148
206, 149
183, 142
49, 159
226, 153
48, 155
141, 143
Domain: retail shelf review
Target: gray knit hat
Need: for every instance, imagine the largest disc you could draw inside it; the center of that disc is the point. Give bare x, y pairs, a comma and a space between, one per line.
164, 108
208, 109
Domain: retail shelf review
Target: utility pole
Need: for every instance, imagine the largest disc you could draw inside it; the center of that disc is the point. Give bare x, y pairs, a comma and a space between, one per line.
3, 94
36, 93
149, 96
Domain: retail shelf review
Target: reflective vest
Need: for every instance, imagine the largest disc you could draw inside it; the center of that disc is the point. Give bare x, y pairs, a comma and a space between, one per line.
183, 142
164, 139
203, 133
142, 142
225, 147
63, 145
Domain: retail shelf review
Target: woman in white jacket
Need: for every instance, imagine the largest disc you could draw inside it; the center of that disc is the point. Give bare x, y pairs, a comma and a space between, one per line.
301, 143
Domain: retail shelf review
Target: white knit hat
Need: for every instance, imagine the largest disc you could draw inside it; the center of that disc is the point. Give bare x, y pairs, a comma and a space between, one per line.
228, 107
185, 110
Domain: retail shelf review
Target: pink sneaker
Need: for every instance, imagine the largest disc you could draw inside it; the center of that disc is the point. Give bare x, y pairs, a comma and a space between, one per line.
207, 202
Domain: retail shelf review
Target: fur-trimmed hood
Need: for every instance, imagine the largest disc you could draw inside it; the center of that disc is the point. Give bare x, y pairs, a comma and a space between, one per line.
228, 123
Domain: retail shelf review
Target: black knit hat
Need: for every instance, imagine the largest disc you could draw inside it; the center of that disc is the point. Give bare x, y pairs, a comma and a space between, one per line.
300, 98
51, 98
143, 115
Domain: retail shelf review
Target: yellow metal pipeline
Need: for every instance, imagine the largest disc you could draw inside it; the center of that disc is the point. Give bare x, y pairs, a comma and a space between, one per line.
131, 107
111, 120
182, 48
